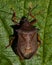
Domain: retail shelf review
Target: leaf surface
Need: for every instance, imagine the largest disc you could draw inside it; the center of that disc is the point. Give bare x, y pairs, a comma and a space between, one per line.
44, 18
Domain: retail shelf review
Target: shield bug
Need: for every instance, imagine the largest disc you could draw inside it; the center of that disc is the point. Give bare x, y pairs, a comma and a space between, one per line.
25, 38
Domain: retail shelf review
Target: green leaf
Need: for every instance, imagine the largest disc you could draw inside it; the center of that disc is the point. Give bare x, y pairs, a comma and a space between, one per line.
47, 44
4, 60
21, 7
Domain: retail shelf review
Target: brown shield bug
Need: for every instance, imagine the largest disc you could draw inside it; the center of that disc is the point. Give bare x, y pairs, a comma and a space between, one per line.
25, 38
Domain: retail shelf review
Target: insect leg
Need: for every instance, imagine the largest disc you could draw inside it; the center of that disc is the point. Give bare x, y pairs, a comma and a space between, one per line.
30, 14
38, 39
10, 42
14, 19
31, 9
33, 21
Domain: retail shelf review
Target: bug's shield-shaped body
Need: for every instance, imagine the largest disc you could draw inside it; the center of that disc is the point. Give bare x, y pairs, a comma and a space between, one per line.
27, 42
25, 38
